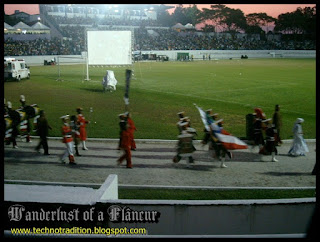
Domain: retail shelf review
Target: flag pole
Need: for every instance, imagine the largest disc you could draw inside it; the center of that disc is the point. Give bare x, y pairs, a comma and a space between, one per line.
126, 94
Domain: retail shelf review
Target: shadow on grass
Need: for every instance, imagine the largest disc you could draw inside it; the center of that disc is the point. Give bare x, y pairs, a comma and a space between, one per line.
95, 90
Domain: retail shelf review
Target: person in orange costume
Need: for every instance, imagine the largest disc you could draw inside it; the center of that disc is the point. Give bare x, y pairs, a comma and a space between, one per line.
125, 141
67, 139
82, 129
131, 128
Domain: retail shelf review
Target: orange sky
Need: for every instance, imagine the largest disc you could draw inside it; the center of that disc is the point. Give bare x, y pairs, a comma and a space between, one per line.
271, 9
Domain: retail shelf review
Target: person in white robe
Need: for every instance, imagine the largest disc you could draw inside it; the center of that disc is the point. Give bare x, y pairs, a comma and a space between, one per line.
299, 146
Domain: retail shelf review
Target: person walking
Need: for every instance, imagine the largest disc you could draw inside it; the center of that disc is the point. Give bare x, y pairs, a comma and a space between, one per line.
68, 140
299, 146
75, 133
82, 124
43, 130
131, 128
125, 140
25, 125
270, 147
15, 117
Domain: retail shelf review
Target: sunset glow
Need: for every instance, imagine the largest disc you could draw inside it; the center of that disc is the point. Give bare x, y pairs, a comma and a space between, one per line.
273, 10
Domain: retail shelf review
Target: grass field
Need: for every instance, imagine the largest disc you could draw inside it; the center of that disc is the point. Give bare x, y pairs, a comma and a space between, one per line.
159, 90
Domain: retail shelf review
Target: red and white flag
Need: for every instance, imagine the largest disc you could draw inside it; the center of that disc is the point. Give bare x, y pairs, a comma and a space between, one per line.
229, 141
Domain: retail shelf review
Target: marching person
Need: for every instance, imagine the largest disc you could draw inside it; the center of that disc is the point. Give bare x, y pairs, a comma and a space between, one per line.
277, 121
68, 140
299, 145
132, 128
15, 117
270, 146
258, 138
211, 117
82, 124
75, 133
122, 124
216, 145
125, 140
43, 130
26, 122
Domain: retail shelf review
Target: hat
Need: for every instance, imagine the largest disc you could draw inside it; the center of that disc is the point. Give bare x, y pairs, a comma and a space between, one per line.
79, 109
185, 118
65, 117
208, 110
266, 120
218, 121
299, 120
22, 98
183, 123
180, 114
191, 130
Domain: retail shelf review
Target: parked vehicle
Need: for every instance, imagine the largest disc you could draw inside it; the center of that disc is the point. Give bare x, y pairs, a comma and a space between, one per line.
15, 69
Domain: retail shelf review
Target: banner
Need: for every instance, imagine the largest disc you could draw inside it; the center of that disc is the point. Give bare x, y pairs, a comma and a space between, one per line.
126, 94
229, 142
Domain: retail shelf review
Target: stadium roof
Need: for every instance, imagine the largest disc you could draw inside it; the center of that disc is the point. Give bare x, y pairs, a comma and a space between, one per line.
7, 26
39, 26
21, 25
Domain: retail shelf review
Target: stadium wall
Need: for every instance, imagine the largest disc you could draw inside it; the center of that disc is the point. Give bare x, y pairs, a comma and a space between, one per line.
177, 217
197, 55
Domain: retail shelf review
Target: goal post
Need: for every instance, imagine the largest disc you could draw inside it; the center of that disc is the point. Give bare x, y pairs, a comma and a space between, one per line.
63, 61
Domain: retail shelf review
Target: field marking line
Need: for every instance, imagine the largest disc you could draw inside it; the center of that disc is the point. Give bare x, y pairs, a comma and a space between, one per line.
217, 99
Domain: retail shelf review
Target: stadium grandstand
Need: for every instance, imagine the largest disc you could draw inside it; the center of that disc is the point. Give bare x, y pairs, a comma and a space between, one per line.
60, 28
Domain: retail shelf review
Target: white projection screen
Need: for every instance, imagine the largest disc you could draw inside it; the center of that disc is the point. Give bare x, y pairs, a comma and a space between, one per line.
109, 47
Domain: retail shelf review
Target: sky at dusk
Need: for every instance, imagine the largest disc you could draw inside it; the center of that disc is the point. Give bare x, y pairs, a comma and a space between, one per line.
273, 10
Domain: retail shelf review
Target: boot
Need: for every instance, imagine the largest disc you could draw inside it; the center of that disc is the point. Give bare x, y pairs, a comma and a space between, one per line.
84, 145
222, 163
71, 160
14, 143
191, 160
28, 139
77, 151
273, 157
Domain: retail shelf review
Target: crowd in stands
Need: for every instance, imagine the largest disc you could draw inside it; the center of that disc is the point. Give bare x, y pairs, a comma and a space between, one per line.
165, 39
113, 21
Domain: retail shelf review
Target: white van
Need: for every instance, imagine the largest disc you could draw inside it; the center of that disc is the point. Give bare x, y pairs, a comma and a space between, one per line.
15, 69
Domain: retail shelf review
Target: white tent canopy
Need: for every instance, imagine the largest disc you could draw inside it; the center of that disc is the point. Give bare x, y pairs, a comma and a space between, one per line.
39, 26
7, 26
189, 26
178, 26
22, 25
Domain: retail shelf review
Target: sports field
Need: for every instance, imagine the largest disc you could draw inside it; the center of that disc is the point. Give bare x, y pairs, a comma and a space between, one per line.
159, 90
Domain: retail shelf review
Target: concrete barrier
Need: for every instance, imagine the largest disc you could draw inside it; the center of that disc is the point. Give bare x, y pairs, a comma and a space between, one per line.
197, 54
178, 217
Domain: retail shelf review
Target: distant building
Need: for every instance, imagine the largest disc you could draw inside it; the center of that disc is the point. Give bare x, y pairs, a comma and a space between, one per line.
25, 17
127, 11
